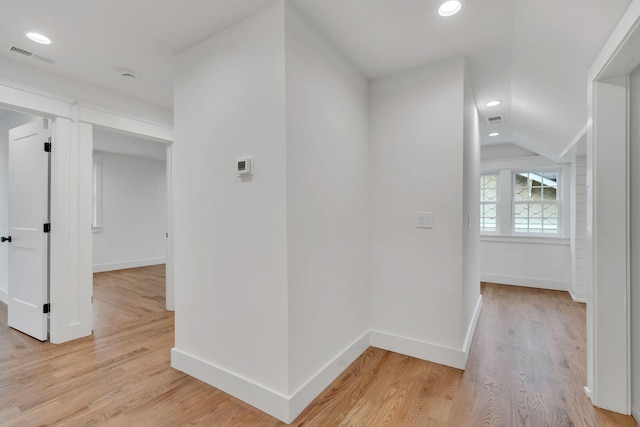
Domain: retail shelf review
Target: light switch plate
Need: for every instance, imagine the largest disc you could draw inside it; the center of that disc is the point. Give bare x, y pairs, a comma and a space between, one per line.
424, 220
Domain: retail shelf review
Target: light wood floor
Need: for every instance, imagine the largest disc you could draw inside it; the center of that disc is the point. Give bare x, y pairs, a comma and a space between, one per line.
526, 368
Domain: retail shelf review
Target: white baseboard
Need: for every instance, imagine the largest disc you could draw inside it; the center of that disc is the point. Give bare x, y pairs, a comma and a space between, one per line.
263, 398
555, 285
635, 413
472, 328
419, 349
312, 389
99, 268
578, 298
587, 391
4, 296
284, 408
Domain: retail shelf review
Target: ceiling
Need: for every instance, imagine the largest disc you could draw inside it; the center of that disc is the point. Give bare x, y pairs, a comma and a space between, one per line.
533, 55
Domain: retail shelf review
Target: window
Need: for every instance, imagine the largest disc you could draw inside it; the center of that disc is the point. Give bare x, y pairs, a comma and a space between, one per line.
96, 222
523, 199
535, 202
488, 203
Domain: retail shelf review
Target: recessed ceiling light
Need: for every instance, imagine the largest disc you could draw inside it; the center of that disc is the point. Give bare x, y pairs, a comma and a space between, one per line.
38, 38
494, 134
449, 7
493, 103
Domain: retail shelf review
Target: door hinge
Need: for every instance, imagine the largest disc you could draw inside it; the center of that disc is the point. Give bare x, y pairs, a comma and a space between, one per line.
46, 308
47, 146
47, 227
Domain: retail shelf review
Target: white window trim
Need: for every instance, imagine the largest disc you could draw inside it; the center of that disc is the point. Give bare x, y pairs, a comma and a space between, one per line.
96, 221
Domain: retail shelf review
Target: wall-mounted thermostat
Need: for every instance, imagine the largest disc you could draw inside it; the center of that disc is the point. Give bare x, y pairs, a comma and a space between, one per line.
245, 166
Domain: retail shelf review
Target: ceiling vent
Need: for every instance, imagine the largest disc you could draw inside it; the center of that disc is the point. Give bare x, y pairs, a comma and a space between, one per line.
495, 120
32, 55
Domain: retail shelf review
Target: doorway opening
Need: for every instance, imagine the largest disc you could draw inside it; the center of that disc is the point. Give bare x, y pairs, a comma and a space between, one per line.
130, 221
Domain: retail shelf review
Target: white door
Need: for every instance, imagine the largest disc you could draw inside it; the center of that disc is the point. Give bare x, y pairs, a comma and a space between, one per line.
28, 212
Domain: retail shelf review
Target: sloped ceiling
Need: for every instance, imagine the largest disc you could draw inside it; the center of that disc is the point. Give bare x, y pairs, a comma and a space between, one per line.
533, 55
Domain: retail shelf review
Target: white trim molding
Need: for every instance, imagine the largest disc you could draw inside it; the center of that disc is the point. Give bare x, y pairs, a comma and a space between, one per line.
4, 296
257, 395
302, 397
468, 339
534, 240
635, 413
419, 349
287, 408
111, 266
32, 102
116, 122
578, 298
527, 282
284, 408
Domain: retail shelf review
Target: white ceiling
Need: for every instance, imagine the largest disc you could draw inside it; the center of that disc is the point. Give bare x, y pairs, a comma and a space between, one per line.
533, 55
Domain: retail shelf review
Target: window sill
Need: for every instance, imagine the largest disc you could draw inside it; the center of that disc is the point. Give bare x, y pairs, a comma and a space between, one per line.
536, 240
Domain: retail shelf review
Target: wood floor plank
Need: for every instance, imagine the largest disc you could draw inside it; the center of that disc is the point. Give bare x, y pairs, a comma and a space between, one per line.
527, 367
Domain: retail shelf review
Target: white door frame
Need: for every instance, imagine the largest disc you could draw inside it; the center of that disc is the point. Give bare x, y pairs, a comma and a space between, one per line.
608, 305
71, 236
113, 122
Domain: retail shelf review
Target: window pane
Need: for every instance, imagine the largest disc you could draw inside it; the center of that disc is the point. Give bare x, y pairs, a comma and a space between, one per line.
488, 217
521, 180
488, 188
521, 194
536, 218
549, 193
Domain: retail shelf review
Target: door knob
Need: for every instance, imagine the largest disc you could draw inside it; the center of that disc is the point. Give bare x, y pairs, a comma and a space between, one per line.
5, 239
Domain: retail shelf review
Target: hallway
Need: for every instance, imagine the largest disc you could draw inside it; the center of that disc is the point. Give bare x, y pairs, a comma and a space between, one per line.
527, 367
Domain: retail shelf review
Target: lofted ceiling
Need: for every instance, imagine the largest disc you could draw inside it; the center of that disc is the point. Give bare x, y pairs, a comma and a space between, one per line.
533, 55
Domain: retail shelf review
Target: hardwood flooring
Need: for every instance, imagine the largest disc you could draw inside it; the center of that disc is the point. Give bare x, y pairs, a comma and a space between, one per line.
526, 368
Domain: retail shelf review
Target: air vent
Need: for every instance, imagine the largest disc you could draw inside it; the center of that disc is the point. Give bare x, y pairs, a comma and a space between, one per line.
495, 120
43, 59
21, 51
32, 55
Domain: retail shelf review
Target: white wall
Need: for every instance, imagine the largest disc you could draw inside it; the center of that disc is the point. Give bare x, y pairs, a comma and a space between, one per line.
11, 120
327, 202
534, 263
231, 292
539, 262
471, 223
276, 287
635, 243
579, 239
134, 213
417, 274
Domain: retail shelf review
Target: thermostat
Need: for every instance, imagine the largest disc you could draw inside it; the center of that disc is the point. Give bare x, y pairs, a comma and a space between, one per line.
245, 166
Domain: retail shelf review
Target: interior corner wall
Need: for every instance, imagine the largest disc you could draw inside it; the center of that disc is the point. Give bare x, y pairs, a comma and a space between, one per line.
635, 242
416, 281
327, 206
134, 214
471, 221
231, 233
10, 121
580, 245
